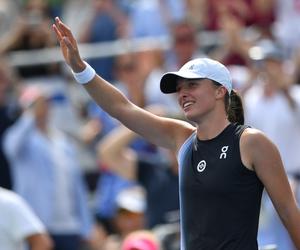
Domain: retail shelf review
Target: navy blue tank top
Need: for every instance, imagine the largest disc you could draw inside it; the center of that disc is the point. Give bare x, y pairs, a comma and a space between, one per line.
219, 197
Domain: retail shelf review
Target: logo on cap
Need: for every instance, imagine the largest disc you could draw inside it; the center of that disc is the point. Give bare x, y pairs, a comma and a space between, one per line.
191, 67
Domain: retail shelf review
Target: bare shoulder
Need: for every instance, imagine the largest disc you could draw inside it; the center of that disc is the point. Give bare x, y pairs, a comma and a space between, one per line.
252, 136
255, 145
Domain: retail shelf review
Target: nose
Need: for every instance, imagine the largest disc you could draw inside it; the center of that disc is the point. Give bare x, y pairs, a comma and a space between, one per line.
181, 95
182, 91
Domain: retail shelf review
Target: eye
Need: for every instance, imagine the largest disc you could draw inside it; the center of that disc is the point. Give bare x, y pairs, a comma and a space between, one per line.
193, 84
188, 84
178, 87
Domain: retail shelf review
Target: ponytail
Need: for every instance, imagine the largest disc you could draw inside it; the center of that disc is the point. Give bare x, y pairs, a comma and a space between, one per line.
234, 108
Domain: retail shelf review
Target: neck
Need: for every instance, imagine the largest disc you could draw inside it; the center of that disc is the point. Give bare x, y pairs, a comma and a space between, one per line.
209, 129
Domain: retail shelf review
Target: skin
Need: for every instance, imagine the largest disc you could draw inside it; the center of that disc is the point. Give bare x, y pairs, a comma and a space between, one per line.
115, 152
39, 242
40, 110
203, 104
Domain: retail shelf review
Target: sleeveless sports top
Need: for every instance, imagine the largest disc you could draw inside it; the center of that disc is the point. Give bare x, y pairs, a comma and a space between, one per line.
219, 197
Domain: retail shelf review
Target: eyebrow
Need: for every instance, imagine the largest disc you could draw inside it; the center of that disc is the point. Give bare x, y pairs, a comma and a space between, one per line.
187, 81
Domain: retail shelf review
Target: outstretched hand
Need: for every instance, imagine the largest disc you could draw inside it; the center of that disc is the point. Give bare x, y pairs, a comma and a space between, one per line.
68, 45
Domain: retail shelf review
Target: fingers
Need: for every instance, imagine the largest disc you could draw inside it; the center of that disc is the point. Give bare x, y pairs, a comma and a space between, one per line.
58, 34
64, 30
64, 34
68, 43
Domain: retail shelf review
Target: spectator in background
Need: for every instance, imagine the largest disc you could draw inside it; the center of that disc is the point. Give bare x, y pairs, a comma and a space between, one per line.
272, 105
286, 27
196, 13
141, 240
19, 225
129, 217
234, 47
107, 23
46, 172
151, 92
216, 9
160, 180
296, 63
263, 14
30, 32
8, 12
8, 114
154, 18
185, 45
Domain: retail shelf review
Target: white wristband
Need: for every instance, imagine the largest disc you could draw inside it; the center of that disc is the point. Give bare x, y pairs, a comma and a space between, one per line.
86, 75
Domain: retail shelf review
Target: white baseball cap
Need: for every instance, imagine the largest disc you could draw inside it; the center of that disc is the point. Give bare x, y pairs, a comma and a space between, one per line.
132, 199
197, 69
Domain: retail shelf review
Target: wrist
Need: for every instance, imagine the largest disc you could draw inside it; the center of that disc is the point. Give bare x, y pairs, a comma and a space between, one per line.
85, 75
79, 67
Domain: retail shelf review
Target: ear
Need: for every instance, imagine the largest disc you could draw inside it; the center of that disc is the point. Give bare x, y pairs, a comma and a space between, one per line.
220, 92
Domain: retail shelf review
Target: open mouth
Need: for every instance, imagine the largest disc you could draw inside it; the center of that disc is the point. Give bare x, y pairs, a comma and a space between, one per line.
187, 104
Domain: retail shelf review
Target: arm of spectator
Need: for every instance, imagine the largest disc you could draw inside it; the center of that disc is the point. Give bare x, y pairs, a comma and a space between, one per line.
114, 152
16, 137
39, 242
90, 130
234, 42
282, 80
12, 38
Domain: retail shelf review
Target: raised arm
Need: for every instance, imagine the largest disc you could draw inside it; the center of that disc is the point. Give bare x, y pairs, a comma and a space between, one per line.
39, 242
260, 154
16, 137
114, 152
161, 131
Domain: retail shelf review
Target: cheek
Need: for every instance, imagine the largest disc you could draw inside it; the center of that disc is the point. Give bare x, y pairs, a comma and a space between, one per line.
206, 98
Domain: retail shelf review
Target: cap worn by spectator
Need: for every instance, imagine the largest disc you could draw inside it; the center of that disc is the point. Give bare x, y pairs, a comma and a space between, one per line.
266, 49
141, 240
132, 199
29, 95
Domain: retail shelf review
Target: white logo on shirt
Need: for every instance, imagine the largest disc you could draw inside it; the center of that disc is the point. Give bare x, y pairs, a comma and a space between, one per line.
223, 155
201, 166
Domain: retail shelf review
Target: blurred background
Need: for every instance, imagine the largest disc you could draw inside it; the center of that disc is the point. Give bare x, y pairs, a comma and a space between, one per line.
58, 147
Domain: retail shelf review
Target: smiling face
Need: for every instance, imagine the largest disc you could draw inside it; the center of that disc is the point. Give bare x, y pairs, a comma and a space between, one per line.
198, 97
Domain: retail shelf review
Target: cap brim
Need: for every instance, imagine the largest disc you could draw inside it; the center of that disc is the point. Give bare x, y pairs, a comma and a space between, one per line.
168, 82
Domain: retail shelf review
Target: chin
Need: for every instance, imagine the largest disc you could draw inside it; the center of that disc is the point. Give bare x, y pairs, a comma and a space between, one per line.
190, 117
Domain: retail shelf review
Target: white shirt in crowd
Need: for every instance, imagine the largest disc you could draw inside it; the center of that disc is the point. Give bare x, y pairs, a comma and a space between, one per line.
17, 221
278, 121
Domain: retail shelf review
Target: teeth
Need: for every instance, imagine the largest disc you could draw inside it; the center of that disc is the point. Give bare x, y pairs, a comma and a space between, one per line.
187, 104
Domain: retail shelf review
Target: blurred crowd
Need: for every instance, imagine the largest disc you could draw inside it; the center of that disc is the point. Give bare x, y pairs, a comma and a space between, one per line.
86, 181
